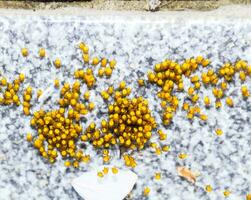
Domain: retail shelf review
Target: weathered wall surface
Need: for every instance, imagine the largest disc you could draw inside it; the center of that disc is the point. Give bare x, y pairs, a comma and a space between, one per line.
123, 4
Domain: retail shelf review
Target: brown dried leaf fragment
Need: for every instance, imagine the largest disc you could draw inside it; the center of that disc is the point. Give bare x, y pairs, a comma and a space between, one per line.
187, 174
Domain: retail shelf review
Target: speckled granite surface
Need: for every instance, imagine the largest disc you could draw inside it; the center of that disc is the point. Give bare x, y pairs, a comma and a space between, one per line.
137, 43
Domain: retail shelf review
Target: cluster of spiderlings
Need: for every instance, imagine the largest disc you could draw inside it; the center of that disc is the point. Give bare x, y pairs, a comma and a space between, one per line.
107, 93
129, 161
195, 111
130, 125
99, 138
159, 148
121, 92
27, 95
105, 171
169, 76
58, 132
228, 71
9, 91
87, 75
104, 69
209, 77
70, 96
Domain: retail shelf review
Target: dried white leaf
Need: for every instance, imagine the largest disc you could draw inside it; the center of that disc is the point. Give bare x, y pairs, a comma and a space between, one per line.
111, 187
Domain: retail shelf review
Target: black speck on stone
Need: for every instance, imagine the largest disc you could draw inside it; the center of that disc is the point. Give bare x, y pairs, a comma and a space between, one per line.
83, 120
82, 146
140, 74
149, 60
201, 143
159, 190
